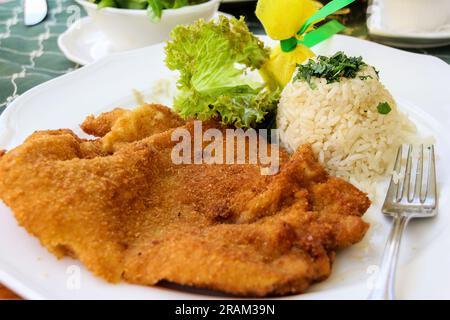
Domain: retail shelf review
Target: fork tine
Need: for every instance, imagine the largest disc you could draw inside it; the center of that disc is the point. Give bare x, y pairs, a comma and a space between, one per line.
393, 187
419, 177
431, 193
407, 178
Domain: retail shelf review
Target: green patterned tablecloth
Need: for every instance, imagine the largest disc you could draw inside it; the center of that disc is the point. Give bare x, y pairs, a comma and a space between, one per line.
30, 55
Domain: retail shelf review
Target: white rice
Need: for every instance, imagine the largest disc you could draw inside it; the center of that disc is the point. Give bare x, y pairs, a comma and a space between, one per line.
341, 122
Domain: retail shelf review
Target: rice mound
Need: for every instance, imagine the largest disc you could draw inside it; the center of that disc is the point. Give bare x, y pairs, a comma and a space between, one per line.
341, 122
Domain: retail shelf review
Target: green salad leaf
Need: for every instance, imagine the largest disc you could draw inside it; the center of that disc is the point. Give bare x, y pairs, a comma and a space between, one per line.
154, 7
106, 3
154, 10
132, 4
213, 59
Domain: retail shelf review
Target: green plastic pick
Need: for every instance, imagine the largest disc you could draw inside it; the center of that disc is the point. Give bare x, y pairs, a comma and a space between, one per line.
288, 45
320, 34
325, 11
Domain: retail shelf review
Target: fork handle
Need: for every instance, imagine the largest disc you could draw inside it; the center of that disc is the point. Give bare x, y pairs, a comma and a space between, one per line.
384, 288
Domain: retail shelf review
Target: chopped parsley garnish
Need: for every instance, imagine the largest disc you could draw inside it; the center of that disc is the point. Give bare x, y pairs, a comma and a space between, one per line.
330, 68
384, 108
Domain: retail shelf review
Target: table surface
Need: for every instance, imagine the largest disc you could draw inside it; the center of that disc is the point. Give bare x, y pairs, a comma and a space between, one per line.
30, 56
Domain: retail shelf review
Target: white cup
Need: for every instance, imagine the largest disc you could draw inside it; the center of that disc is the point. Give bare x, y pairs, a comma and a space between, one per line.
414, 15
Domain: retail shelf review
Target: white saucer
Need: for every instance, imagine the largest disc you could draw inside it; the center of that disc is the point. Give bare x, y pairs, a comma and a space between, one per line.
84, 43
405, 39
410, 40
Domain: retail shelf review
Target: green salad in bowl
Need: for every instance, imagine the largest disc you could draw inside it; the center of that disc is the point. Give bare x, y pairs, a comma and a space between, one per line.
154, 7
131, 24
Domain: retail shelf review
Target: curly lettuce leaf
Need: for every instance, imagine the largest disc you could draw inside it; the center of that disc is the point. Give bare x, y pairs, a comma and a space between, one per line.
213, 59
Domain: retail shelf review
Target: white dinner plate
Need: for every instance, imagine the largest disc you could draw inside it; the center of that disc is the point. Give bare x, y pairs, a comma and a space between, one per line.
84, 43
419, 83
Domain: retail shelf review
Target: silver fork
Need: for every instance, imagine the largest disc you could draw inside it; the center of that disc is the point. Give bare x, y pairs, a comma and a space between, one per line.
402, 205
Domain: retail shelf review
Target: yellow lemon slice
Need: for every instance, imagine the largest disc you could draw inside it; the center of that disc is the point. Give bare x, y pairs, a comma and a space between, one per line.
278, 70
282, 19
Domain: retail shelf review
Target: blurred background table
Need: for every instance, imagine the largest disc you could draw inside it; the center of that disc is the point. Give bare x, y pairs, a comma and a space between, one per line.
30, 56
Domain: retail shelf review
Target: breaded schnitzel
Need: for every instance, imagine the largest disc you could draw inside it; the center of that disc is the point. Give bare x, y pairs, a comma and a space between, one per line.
101, 125
120, 126
133, 215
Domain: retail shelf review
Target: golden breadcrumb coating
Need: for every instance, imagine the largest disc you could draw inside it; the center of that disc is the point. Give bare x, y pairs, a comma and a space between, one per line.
122, 126
134, 215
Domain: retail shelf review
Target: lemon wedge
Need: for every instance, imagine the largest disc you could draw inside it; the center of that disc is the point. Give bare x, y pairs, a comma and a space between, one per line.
278, 70
282, 19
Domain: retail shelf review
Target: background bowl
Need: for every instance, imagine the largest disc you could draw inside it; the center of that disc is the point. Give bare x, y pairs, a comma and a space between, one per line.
131, 29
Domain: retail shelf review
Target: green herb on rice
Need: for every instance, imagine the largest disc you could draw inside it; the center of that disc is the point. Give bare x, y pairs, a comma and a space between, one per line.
365, 77
384, 108
330, 68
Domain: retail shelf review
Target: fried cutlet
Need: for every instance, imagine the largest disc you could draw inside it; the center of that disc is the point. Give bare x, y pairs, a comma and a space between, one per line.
121, 126
134, 215
99, 126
